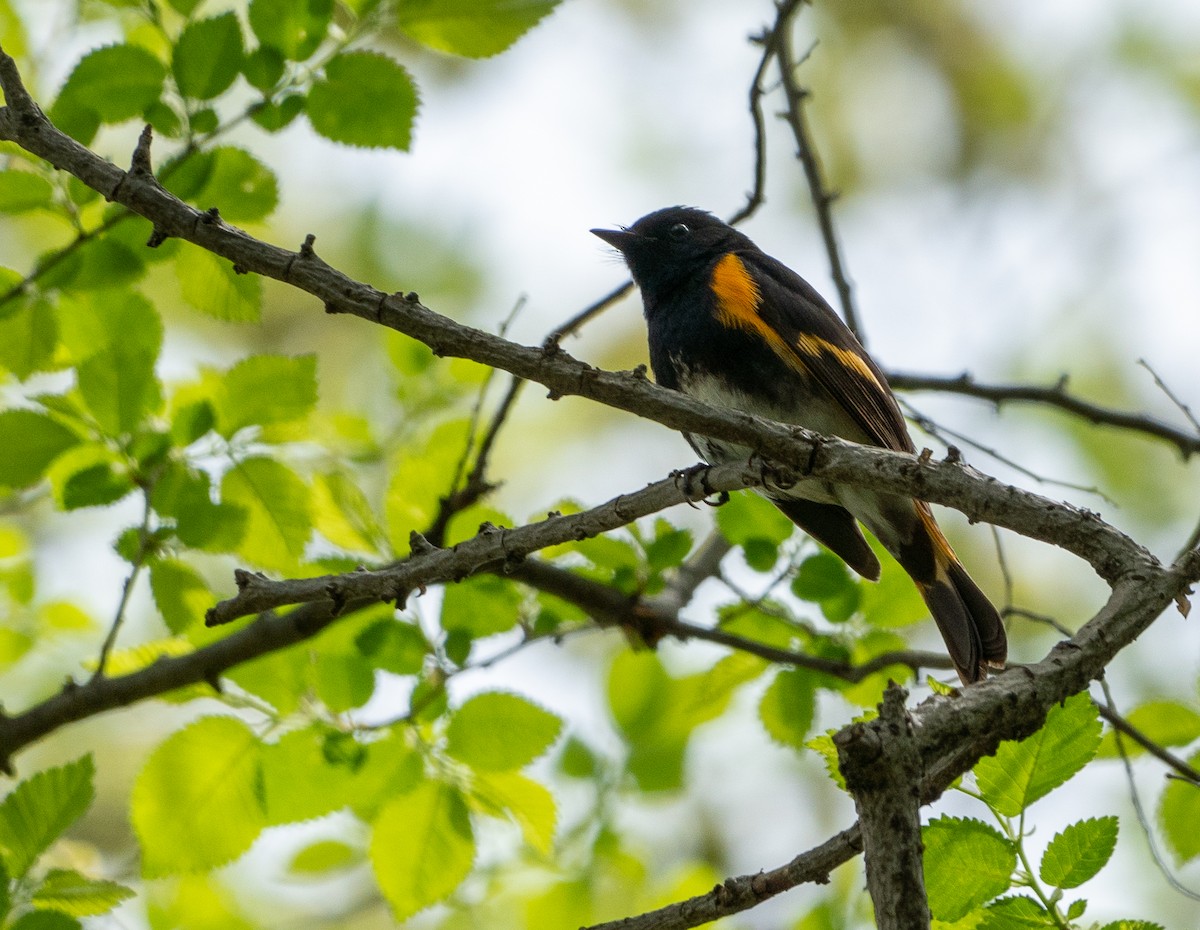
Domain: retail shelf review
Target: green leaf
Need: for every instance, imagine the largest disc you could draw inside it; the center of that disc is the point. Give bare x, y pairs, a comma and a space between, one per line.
186, 496
121, 319
657, 713
787, 707
824, 579
1167, 723
210, 285
500, 732
481, 606
263, 67
526, 801
344, 682
28, 339
1016, 913
894, 600
669, 548
1132, 925
343, 515
1080, 851
67, 891
276, 503
474, 28
120, 388
420, 476
39, 809
358, 87
1022, 772
196, 802
1178, 814
266, 389
229, 178
422, 847
324, 856
394, 646
294, 27
45, 920
208, 56
955, 889
116, 82
89, 475
21, 191
29, 442
180, 593
750, 516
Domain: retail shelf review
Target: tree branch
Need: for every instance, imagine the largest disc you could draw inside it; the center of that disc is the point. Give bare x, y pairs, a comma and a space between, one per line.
1056, 396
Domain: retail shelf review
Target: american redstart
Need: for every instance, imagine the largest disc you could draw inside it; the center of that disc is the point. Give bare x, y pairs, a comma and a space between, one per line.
734, 327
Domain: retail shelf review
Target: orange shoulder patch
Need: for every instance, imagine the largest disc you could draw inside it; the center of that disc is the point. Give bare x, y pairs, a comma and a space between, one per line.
738, 300
737, 294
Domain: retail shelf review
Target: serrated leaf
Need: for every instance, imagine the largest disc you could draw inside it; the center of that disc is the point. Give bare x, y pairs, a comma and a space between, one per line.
967, 863
208, 56
186, 496
180, 593
422, 847
276, 503
787, 707
1016, 913
196, 803
324, 856
1080, 851
120, 388
474, 28
293, 27
29, 442
500, 732
116, 82
39, 809
528, 803
267, 389
357, 87
420, 475
77, 895
210, 285
1132, 925
1022, 772
21, 191
1178, 814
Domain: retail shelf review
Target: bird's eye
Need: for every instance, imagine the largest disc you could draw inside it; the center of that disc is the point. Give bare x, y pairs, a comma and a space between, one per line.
679, 232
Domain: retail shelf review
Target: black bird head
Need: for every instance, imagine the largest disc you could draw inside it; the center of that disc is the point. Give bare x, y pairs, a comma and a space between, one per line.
665, 247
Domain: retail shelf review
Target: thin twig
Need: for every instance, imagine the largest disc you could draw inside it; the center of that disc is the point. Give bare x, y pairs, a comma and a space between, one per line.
1143, 818
806, 152
1056, 396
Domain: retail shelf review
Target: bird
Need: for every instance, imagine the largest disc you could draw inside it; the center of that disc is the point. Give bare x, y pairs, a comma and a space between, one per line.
730, 325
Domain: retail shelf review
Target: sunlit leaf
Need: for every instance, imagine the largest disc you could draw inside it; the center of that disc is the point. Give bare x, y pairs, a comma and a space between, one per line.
497, 731
208, 56
1080, 851
475, 28
967, 863
39, 809
196, 802
357, 87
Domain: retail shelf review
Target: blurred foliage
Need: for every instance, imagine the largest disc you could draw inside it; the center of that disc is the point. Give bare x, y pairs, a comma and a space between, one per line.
276, 452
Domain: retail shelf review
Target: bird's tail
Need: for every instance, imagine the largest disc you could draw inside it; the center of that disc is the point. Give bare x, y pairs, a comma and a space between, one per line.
969, 624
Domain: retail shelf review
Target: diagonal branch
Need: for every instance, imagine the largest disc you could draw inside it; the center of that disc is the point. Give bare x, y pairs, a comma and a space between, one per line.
1055, 395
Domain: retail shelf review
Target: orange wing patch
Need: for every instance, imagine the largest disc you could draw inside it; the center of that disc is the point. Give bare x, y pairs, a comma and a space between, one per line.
815, 346
738, 299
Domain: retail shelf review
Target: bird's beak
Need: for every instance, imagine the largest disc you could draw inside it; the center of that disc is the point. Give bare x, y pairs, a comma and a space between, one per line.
619, 239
